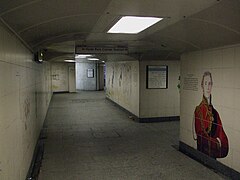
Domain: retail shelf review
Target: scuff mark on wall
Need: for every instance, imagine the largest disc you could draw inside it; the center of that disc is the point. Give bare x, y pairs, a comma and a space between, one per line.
112, 76
120, 79
59, 77
121, 87
26, 112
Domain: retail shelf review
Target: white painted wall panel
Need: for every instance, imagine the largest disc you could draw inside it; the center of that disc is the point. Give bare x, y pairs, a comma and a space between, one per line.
160, 102
59, 77
25, 93
122, 84
82, 81
72, 79
224, 64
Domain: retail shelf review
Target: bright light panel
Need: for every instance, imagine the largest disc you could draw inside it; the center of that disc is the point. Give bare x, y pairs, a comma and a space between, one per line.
133, 24
69, 60
82, 55
93, 59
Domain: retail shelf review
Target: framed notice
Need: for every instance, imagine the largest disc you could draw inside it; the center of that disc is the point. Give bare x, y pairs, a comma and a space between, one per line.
157, 77
90, 73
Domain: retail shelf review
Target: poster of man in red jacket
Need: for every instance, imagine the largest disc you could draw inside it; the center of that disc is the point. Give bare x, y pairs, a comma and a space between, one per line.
210, 136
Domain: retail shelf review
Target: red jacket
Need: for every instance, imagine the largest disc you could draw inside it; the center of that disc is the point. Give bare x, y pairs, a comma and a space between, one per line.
211, 138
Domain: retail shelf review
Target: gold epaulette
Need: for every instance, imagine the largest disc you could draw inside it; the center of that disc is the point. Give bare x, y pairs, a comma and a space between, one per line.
202, 104
197, 109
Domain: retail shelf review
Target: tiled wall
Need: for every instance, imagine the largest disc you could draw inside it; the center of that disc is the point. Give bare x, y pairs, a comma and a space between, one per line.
83, 82
59, 77
224, 64
25, 93
160, 102
122, 84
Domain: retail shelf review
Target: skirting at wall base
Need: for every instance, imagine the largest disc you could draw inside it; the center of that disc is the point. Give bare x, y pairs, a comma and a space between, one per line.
208, 161
131, 115
159, 119
37, 158
61, 92
146, 120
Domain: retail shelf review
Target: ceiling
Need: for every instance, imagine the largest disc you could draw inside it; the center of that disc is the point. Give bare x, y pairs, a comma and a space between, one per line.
59, 25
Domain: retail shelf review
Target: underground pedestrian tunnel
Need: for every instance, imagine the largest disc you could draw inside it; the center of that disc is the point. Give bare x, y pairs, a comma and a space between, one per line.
82, 97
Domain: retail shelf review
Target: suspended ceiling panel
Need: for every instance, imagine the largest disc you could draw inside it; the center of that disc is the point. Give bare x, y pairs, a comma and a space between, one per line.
195, 35
42, 20
59, 27
7, 6
188, 25
46, 11
224, 15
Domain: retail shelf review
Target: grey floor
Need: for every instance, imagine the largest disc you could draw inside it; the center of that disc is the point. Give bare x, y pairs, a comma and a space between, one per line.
90, 138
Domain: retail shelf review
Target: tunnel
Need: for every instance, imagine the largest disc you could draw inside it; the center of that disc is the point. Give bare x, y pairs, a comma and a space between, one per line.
115, 89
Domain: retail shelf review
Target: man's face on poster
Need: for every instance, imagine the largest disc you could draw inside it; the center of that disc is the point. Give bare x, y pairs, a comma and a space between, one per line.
207, 86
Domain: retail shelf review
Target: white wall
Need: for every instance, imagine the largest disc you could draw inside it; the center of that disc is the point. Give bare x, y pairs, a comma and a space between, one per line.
72, 78
224, 64
83, 82
160, 102
25, 93
122, 84
100, 77
59, 77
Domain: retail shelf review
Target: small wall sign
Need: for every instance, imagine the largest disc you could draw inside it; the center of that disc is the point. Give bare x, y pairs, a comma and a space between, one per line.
157, 77
90, 73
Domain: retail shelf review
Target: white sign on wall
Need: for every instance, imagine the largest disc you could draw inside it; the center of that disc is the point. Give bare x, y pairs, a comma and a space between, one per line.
157, 77
90, 73
100, 50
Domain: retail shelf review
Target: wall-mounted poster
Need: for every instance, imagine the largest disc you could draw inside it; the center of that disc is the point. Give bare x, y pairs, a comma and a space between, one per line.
209, 133
157, 77
90, 73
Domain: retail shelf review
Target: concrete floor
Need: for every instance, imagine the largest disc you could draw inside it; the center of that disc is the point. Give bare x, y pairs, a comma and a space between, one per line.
90, 138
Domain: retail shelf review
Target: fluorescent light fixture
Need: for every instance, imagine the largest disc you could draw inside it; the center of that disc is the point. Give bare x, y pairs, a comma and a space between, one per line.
69, 60
103, 61
82, 55
133, 24
93, 59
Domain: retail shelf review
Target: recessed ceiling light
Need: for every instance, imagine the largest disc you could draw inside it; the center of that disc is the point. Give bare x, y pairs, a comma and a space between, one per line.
93, 59
133, 24
69, 60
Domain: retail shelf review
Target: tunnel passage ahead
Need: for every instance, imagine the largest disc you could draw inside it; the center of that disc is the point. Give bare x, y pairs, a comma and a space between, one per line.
90, 138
